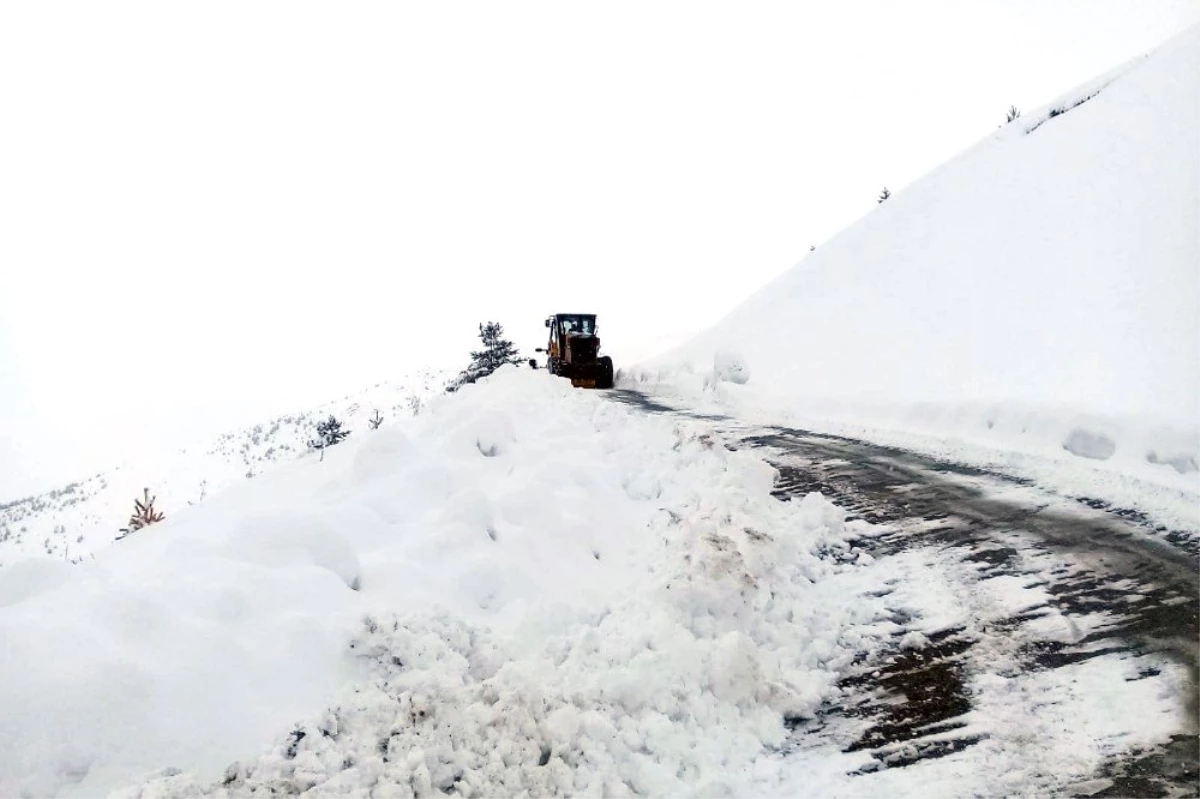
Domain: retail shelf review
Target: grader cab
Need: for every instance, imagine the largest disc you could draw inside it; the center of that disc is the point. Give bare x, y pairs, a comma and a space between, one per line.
574, 351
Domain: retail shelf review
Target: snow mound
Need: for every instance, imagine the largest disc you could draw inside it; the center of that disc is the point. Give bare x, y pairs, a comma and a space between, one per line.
1182, 462
559, 594
730, 367
1087, 444
1044, 282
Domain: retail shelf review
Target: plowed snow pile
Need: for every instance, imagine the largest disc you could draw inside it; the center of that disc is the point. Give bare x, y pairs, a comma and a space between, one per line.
525, 588
1041, 292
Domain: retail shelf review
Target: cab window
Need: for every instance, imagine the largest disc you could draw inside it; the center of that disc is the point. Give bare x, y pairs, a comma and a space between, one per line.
584, 325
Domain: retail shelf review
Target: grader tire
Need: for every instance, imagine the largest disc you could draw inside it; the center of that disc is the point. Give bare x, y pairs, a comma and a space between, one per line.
605, 379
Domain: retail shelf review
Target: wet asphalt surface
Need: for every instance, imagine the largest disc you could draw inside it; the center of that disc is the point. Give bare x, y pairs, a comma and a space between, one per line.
1091, 560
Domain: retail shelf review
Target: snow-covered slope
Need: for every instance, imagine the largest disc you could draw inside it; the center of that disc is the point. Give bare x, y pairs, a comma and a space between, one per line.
73, 521
1041, 291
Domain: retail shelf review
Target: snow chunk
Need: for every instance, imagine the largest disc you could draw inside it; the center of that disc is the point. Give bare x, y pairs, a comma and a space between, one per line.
381, 453
1182, 462
914, 639
735, 674
730, 367
1089, 444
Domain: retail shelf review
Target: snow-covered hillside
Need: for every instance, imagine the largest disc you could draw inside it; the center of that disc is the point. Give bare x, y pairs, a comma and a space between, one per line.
1040, 292
73, 521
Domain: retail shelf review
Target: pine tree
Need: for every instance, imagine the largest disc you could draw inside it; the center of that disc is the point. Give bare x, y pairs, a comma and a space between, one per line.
329, 432
883, 195
1013, 113
144, 514
496, 352
375, 420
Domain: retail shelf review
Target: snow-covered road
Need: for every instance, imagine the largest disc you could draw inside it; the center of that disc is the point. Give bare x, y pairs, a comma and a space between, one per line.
1070, 617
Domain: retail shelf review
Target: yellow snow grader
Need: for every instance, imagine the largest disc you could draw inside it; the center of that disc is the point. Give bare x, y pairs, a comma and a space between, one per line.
574, 351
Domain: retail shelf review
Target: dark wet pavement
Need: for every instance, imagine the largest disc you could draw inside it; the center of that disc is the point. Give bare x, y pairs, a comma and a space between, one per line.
1089, 559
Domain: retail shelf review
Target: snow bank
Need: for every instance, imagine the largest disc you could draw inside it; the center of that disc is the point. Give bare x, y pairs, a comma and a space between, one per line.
544, 575
1040, 291
1125, 466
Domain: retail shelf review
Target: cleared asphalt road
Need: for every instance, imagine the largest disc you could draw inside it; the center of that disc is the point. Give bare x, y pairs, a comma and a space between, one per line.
1091, 561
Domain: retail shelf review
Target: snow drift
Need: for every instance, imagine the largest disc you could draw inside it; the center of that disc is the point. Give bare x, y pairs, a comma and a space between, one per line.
614, 581
1040, 290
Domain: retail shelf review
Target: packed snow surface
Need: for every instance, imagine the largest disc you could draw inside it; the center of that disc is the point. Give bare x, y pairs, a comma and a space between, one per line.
1039, 292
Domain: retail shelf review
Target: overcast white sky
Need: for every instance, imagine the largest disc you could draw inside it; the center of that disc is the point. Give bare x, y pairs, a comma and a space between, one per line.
214, 212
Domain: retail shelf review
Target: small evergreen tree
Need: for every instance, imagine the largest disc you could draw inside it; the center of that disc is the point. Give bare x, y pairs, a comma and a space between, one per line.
329, 432
375, 420
1013, 113
496, 352
883, 195
144, 514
